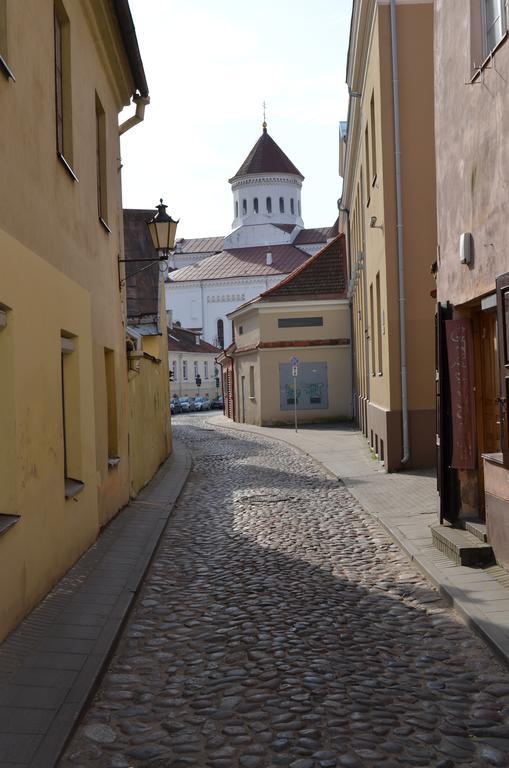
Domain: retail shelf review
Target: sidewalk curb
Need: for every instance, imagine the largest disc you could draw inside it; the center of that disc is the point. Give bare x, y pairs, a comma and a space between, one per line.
495, 636
105, 594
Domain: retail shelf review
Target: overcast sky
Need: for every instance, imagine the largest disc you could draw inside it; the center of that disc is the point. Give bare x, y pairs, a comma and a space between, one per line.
210, 64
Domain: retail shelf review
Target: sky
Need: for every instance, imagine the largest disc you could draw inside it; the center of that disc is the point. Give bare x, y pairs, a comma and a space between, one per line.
210, 65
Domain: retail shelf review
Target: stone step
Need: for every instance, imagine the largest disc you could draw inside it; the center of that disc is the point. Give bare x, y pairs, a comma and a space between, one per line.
477, 528
461, 546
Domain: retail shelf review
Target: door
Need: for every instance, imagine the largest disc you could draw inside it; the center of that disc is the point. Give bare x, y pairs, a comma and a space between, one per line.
447, 484
503, 358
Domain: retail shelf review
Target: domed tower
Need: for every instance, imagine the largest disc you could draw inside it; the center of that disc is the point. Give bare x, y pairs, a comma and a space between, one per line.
266, 191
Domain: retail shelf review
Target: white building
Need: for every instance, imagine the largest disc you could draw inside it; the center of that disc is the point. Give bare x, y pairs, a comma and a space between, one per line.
188, 357
213, 276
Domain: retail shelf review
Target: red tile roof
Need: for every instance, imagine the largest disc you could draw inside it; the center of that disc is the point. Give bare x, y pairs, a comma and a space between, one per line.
266, 157
184, 340
199, 245
242, 262
310, 236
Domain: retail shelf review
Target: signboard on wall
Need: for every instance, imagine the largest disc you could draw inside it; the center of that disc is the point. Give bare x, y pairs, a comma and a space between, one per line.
312, 389
460, 354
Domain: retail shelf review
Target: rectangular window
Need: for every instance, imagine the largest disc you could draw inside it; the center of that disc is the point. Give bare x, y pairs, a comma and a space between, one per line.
379, 324
3, 41
368, 178
251, 382
196, 371
111, 406
71, 427
494, 23
174, 370
373, 138
184, 370
299, 322
63, 96
102, 178
205, 370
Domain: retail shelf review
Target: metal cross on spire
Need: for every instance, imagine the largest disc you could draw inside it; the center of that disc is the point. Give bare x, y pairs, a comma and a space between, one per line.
264, 124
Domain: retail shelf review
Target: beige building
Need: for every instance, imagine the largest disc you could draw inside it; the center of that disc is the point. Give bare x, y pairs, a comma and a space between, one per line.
67, 68
388, 209
304, 317
189, 357
471, 121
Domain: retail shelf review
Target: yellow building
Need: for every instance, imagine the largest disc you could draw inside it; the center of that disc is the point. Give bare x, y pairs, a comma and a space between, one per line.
305, 317
388, 207
67, 69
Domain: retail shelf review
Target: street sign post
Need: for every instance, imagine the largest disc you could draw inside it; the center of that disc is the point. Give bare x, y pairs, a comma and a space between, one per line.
294, 361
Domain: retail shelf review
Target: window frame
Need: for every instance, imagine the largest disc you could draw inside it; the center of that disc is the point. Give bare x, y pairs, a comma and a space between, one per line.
502, 7
268, 204
4, 49
63, 88
101, 164
185, 371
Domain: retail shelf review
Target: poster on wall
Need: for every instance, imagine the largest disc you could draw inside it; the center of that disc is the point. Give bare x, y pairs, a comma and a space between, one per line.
460, 354
311, 387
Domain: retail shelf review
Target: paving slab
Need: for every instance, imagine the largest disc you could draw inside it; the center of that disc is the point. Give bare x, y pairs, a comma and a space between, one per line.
51, 663
406, 505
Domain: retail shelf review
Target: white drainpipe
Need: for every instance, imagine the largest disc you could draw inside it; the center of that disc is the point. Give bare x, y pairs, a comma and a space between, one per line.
141, 102
399, 234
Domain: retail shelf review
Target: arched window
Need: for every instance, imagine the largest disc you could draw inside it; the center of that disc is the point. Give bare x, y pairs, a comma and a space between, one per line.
292, 206
281, 205
244, 207
269, 205
236, 209
220, 333
255, 204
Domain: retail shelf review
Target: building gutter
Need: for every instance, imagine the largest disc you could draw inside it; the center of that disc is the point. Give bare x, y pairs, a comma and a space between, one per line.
130, 41
399, 235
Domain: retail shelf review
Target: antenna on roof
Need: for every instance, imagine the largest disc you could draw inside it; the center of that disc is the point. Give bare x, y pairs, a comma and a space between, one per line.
264, 124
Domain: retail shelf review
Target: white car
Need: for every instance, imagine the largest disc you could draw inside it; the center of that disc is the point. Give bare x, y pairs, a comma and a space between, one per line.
202, 404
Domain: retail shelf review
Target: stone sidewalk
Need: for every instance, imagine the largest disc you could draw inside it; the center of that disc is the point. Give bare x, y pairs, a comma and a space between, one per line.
406, 505
51, 663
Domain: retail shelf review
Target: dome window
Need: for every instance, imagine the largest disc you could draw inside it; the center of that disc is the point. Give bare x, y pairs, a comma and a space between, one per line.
255, 204
292, 206
299, 207
281, 205
244, 207
236, 209
269, 205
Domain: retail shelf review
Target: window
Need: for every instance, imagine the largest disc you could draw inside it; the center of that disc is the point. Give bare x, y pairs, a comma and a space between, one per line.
281, 205
205, 369
373, 137
494, 23
244, 207
184, 370
220, 333
196, 371
102, 186
251, 382
174, 369
255, 204
63, 100
379, 324
3, 41
241, 330
368, 179
299, 322
292, 206
269, 205
111, 407
71, 427
236, 209
298, 207
503, 360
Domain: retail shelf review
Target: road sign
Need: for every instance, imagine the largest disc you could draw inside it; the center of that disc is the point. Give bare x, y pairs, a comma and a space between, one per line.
294, 360
295, 370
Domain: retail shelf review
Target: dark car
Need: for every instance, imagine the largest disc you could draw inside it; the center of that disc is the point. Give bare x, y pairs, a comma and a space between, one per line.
175, 406
202, 404
217, 402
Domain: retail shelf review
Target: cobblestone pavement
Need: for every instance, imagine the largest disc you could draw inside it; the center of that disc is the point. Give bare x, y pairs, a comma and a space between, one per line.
278, 626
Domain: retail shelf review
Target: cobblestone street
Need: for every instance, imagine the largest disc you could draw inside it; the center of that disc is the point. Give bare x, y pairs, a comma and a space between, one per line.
279, 626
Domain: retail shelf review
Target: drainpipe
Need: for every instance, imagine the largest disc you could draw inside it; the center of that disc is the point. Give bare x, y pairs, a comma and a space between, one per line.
399, 235
346, 211
141, 102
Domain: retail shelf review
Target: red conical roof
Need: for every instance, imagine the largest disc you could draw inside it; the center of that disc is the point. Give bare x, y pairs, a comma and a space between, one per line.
266, 157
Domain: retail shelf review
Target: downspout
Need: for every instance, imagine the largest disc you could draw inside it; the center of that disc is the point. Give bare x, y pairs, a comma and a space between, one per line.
141, 102
346, 211
399, 235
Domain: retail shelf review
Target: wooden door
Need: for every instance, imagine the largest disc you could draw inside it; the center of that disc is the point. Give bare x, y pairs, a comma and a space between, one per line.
503, 359
447, 484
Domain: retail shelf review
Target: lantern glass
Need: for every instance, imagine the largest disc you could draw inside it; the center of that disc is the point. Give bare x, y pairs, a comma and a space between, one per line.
162, 229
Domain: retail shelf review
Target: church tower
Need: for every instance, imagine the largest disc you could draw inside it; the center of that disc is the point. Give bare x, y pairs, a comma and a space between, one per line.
266, 197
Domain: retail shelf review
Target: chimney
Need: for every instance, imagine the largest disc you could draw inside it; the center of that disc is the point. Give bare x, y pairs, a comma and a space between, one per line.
197, 338
268, 259
169, 313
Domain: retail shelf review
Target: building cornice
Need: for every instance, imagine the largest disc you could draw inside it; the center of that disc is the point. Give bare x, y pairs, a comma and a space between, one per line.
244, 181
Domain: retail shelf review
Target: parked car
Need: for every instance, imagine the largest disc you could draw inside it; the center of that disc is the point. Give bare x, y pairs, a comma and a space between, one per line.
202, 404
175, 406
217, 402
187, 404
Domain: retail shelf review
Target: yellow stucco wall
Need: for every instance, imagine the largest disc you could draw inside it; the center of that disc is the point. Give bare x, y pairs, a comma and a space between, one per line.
52, 531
